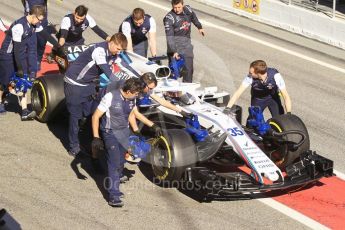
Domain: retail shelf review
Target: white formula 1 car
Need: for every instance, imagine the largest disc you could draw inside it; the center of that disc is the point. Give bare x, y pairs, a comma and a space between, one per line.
210, 152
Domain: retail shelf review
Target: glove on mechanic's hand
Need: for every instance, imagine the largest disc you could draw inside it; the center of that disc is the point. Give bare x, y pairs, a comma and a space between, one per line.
97, 143
157, 130
20, 73
58, 51
138, 134
186, 114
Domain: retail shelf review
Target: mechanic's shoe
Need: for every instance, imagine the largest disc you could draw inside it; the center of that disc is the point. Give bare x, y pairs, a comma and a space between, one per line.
132, 159
28, 115
2, 109
73, 153
124, 179
122, 195
115, 202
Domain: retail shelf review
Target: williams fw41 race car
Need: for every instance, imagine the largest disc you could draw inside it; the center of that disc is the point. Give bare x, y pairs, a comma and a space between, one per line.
209, 153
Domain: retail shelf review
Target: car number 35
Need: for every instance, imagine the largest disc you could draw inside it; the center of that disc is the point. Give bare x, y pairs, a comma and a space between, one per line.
235, 131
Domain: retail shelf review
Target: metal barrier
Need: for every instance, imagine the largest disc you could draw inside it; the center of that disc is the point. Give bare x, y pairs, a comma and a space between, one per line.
331, 8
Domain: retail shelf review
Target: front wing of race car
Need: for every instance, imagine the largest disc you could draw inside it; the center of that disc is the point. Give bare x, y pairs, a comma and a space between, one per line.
311, 168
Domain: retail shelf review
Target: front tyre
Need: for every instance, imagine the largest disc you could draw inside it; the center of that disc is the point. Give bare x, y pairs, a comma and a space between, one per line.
284, 123
172, 155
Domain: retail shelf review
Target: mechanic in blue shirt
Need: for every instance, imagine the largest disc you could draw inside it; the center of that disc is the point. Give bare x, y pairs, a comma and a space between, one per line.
82, 77
138, 28
266, 85
73, 26
38, 40
177, 25
13, 53
118, 104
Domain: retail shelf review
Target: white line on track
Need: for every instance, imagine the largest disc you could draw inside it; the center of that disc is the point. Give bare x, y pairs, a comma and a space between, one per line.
292, 213
339, 174
262, 42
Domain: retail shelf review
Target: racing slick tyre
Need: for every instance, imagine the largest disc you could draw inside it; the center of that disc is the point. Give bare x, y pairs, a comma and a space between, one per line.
47, 97
284, 123
171, 155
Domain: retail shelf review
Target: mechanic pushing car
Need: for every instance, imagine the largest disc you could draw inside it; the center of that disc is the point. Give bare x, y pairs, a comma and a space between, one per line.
177, 25
150, 82
119, 104
13, 53
82, 77
140, 30
266, 84
35, 55
73, 26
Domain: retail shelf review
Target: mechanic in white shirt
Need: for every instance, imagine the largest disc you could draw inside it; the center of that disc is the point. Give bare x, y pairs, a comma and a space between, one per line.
118, 105
140, 30
73, 26
266, 86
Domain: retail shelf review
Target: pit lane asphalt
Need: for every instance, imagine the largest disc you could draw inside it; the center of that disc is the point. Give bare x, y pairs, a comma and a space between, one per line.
41, 190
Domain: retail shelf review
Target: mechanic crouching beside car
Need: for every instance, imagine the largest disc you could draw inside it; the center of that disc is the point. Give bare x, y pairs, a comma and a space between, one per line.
118, 104
266, 85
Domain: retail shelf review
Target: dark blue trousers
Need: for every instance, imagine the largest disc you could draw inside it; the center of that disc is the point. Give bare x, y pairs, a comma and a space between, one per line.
188, 56
8, 67
272, 103
116, 144
141, 48
32, 48
41, 46
79, 104
75, 43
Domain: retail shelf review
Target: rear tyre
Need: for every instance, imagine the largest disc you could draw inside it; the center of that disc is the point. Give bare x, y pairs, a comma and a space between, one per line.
289, 122
47, 97
172, 155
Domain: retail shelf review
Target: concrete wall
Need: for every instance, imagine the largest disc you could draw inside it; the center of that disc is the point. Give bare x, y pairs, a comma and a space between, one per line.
293, 18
